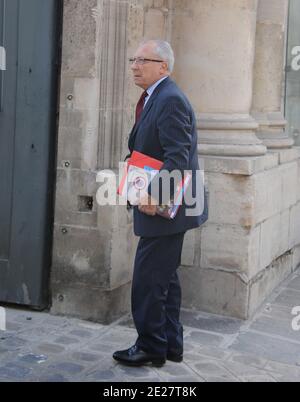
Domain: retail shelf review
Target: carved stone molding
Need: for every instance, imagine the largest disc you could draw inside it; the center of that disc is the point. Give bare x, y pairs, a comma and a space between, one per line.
113, 66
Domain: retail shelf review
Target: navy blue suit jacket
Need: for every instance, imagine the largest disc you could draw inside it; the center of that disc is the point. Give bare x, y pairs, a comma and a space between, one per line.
167, 131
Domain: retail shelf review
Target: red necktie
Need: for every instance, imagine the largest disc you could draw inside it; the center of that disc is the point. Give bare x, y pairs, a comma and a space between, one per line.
140, 106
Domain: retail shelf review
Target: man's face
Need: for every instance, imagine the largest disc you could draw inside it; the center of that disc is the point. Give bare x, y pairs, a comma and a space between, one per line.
147, 74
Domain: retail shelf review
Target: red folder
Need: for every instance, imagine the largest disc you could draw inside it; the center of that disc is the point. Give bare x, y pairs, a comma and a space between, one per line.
146, 163
141, 161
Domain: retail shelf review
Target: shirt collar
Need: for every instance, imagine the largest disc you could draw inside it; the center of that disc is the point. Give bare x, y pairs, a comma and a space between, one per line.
151, 89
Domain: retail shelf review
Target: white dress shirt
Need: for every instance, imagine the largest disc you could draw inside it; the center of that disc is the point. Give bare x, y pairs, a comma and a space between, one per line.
151, 89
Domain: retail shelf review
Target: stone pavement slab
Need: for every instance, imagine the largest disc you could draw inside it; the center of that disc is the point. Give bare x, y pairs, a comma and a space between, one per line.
39, 347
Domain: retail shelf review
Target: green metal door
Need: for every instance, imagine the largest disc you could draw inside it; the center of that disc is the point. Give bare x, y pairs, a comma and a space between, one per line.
29, 34
292, 105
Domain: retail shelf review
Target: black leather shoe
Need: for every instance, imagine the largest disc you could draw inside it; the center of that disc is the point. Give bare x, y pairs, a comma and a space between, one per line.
175, 357
135, 356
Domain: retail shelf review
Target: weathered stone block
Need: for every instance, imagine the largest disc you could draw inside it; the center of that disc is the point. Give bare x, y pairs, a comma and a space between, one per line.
189, 249
288, 155
124, 245
67, 90
225, 293
268, 280
230, 199
90, 302
272, 14
86, 93
160, 3
79, 257
289, 176
296, 258
78, 14
239, 165
231, 248
298, 183
274, 238
269, 36
70, 118
295, 226
115, 224
267, 195
214, 291
79, 119
70, 146
247, 201
284, 236
154, 24
71, 184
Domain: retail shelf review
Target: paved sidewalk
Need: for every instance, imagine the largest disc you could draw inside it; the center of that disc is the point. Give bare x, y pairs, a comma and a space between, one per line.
42, 347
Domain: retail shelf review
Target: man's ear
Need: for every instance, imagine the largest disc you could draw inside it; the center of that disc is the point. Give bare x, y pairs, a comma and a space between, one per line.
165, 67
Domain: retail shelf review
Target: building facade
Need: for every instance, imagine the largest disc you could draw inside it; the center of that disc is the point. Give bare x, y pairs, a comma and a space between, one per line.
238, 61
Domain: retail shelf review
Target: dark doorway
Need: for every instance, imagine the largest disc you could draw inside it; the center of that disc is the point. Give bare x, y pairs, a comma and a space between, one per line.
30, 33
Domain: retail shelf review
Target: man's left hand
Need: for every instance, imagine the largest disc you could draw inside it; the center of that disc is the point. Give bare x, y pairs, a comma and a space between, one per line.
148, 205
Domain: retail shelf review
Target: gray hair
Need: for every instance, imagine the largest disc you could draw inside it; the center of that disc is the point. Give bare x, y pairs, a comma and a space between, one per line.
163, 50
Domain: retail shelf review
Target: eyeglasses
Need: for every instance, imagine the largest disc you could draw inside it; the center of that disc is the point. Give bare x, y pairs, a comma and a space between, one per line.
141, 61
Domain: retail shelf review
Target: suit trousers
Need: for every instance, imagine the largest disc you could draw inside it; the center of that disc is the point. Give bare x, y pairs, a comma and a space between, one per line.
156, 294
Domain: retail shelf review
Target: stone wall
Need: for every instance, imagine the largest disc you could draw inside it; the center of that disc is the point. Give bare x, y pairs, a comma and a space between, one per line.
252, 240
95, 112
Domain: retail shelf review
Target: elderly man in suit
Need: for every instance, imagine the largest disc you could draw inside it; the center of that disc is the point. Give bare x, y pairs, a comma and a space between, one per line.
165, 129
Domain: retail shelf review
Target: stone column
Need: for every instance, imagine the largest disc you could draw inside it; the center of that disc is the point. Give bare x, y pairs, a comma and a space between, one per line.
245, 248
217, 58
267, 107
